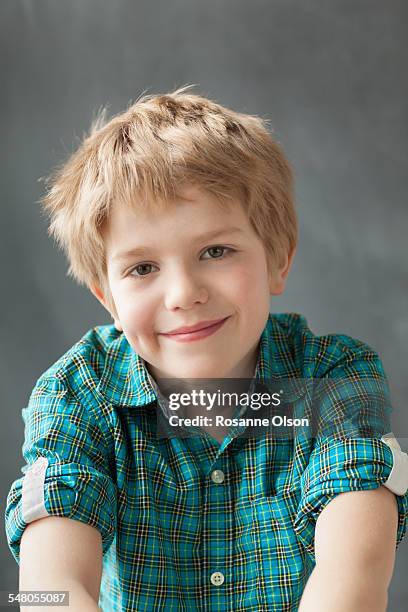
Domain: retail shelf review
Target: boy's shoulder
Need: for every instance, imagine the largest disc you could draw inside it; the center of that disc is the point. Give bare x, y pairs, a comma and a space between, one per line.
87, 359
293, 346
101, 367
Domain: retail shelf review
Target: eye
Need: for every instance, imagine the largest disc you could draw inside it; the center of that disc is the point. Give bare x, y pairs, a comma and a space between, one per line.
141, 270
217, 249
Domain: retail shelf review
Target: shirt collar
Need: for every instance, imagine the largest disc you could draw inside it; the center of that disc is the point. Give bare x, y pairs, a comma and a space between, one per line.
125, 380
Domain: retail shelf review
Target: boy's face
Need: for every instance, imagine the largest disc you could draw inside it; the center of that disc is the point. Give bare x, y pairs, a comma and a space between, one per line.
186, 276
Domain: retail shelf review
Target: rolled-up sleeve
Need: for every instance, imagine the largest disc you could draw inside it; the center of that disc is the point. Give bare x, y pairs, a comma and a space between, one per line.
352, 454
337, 466
66, 471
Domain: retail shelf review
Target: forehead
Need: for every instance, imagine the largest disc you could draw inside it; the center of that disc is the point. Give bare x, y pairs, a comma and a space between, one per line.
195, 214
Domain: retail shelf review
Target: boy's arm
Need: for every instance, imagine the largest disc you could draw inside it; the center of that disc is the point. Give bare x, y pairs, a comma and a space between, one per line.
355, 541
61, 554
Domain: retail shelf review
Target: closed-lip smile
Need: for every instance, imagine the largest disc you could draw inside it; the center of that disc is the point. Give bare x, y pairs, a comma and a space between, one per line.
186, 329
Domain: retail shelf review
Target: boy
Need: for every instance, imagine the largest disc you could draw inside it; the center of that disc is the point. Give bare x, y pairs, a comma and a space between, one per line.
179, 216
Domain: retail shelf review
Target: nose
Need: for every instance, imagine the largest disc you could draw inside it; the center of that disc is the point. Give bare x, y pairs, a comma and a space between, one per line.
184, 290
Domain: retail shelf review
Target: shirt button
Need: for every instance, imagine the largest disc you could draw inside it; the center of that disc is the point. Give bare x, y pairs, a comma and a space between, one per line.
217, 476
217, 578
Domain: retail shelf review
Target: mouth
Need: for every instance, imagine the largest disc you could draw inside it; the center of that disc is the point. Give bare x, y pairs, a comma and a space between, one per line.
197, 334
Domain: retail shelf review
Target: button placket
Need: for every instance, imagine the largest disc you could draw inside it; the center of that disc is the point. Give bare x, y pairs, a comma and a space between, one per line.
217, 578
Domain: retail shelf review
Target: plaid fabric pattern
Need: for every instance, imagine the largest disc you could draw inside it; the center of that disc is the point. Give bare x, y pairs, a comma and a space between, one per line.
175, 537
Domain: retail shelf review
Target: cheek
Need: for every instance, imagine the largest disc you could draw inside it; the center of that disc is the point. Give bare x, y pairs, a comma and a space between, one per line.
134, 313
249, 284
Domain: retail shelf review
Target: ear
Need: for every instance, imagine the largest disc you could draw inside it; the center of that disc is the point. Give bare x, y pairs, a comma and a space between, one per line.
278, 276
99, 295
96, 291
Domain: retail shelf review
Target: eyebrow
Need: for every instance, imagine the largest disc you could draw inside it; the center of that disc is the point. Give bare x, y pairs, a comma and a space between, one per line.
123, 256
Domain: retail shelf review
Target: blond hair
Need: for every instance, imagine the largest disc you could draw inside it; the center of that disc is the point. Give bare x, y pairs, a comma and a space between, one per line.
146, 154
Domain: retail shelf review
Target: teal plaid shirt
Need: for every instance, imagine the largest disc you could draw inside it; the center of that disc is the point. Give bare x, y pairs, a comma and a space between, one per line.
190, 524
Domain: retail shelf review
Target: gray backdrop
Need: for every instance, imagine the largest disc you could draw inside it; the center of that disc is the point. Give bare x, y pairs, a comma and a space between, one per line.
331, 76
